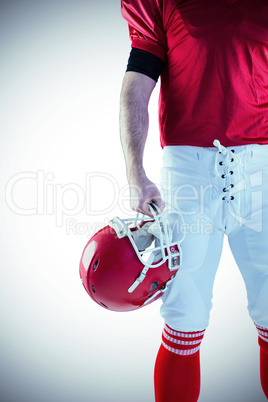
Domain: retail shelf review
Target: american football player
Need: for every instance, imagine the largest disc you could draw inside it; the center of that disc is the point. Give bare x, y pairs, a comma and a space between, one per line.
212, 56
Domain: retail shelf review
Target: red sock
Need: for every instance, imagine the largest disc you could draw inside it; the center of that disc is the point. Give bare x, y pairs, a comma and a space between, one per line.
177, 368
263, 342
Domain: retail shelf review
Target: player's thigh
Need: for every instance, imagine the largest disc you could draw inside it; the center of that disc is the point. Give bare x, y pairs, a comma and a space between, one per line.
188, 301
249, 245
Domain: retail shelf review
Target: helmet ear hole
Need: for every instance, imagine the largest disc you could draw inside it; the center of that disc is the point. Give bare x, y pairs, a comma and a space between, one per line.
96, 265
93, 288
154, 286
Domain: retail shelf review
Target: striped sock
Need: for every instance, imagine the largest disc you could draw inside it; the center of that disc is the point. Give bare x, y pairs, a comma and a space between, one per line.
181, 343
177, 368
263, 342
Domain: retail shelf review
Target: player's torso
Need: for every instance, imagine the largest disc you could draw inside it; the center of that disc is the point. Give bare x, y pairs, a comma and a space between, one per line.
217, 68
207, 19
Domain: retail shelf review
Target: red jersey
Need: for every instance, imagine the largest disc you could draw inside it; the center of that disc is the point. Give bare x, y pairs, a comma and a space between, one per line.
215, 78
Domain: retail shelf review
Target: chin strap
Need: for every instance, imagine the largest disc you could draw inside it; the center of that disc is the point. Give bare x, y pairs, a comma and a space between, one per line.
142, 275
160, 291
175, 266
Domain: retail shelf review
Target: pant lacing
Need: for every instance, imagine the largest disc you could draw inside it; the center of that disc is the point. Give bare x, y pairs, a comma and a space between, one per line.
226, 157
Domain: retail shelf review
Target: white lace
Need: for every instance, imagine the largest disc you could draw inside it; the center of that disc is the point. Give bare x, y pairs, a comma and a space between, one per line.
231, 160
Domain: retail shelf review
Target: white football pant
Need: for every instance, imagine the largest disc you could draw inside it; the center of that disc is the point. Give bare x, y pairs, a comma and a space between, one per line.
218, 191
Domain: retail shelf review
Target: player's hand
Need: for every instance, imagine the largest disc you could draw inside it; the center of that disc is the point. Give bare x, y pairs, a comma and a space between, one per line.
142, 193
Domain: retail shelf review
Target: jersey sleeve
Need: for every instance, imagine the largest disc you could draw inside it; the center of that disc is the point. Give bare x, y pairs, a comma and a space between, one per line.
145, 24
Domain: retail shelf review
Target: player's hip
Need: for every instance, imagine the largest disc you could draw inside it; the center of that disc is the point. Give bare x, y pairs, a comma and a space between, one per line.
224, 185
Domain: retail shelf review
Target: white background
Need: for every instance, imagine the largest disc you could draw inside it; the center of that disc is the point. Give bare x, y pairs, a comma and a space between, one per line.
62, 64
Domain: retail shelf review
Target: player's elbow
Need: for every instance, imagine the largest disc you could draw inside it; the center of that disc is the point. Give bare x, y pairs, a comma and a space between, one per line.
136, 87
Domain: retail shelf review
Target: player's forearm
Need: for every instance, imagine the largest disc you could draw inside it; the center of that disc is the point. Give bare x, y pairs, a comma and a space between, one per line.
133, 132
134, 123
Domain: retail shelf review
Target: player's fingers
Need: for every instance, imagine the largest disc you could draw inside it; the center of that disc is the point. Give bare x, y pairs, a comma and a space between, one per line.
144, 206
144, 209
142, 197
160, 203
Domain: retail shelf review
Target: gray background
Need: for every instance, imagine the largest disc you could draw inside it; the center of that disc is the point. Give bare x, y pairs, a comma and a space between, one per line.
62, 64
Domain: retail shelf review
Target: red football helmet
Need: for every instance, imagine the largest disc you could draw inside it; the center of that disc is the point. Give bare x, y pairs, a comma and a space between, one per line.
114, 269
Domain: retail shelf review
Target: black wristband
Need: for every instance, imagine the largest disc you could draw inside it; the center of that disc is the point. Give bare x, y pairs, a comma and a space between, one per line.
145, 63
